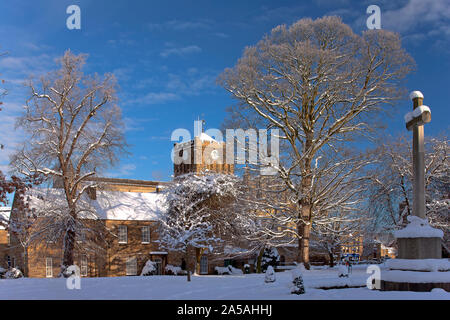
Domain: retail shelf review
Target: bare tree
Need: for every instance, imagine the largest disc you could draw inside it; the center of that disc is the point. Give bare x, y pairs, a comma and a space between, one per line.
195, 217
338, 191
74, 129
320, 84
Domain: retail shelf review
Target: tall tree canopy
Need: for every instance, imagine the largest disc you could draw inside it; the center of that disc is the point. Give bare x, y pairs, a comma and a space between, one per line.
320, 84
74, 129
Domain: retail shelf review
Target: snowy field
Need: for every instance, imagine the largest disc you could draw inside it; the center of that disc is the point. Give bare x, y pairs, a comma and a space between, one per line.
226, 287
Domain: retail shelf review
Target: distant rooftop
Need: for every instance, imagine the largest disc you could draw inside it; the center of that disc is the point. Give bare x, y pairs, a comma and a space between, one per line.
108, 205
4, 216
204, 137
131, 182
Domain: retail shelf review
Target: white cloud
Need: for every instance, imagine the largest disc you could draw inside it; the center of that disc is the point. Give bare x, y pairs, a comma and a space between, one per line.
191, 83
122, 171
155, 98
180, 25
26, 65
221, 35
136, 124
180, 51
417, 13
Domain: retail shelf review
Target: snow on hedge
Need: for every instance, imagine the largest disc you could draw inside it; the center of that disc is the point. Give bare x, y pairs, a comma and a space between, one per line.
419, 264
415, 276
418, 228
228, 270
149, 268
174, 270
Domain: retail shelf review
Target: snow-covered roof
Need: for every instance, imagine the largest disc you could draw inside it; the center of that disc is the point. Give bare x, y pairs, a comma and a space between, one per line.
158, 252
109, 205
4, 216
204, 137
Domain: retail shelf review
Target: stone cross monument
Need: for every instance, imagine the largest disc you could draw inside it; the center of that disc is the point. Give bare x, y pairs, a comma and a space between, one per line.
418, 240
419, 244
421, 114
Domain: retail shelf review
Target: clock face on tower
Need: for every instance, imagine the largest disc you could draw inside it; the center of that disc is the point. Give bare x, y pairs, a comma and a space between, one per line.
215, 154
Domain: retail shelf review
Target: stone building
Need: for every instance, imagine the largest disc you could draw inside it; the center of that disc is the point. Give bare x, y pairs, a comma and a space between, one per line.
126, 215
5, 260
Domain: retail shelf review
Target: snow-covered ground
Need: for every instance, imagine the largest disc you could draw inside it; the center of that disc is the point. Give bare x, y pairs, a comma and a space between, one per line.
248, 287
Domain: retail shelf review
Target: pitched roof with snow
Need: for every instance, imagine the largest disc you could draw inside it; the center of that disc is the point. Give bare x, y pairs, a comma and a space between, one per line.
109, 205
4, 216
204, 137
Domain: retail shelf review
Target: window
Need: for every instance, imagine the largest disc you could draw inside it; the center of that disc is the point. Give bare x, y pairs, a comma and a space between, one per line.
123, 234
145, 234
131, 268
48, 267
84, 266
204, 265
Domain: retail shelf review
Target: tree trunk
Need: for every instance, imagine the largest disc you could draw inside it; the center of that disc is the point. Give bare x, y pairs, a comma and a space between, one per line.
25, 261
186, 259
331, 259
258, 263
304, 225
69, 241
305, 230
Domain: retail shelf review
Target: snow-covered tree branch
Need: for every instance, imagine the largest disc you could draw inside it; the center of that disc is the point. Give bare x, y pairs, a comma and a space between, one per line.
195, 216
75, 130
321, 85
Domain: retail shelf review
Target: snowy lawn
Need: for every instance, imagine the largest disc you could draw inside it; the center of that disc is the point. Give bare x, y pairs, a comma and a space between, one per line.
226, 287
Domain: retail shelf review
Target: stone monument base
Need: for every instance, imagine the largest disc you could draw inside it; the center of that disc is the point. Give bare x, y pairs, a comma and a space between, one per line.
411, 286
421, 275
419, 248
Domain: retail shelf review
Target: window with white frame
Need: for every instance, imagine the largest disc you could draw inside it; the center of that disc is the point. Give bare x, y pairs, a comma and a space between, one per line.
48, 267
123, 237
131, 267
204, 265
145, 234
84, 266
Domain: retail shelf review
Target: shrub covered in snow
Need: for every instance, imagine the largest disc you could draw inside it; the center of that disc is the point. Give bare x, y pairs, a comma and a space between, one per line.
300, 266
247, 268
14, 273
270, 257
149, 268
297, 282
342, 271
227, 270
2, 272
270, 275
173, 270
222, 270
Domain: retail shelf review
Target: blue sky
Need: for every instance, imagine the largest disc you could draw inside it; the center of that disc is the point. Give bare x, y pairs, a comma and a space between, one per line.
167, 55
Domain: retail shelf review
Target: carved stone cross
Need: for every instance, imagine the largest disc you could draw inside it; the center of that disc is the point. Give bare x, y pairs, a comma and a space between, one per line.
415, 121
